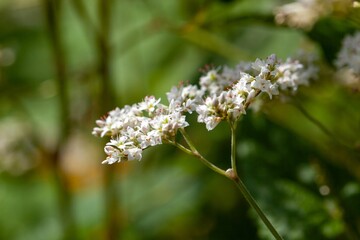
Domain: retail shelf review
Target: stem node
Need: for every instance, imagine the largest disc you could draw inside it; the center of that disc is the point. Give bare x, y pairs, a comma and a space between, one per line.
231, 174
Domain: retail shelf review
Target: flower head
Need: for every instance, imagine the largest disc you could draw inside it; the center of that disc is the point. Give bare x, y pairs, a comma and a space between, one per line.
137, 127
305, 13
349, 55
185, 98
223, 95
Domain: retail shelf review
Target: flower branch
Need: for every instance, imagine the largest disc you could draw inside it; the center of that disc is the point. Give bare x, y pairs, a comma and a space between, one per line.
220, 96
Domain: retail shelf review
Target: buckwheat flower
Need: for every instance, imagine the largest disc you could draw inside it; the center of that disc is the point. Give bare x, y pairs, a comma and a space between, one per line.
207, 112
148, 123
305, 13
272, 60
168, 124
348, 78
113, 155
296, 72
118, 148
261, 67
301, 14
190, 92
264, 78
210, 78
265, 86
18, 152
105, 126
120, 143
349, 54
234, 105
288, 75
149, 104
211, 82
133, 153
230, 75
211, 121
223, 95
184, 97
266, 68
245, 67
116, 120
310, 69
243, 86
228, 105
233, 96
151, 138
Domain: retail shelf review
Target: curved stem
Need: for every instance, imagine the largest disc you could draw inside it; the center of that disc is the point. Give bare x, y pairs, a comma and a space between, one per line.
194, 152
230, 173
188, 140
181, 147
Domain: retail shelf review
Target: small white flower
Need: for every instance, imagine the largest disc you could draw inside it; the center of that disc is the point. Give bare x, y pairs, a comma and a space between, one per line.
305, 13
243, 86
264, 86
230, 75
213, 82
210, 78
133, 153
294, 73
211, 122
149, 104
184, 99
114, 155
235, 105
120, 142
288, 75
349, 55
261, 66
169, 124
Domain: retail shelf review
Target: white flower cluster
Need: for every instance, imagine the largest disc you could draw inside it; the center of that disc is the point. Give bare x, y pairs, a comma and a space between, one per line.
135, 128
17, 150
349, 55
221, 95
305, 13
227, 94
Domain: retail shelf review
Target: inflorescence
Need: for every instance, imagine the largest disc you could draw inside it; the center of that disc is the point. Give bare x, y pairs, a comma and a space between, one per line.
222, 95
349, 54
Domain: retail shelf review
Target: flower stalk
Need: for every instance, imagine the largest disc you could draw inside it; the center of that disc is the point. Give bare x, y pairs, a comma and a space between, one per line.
234, 176
196, 153
249, 198
233, 148
230, 173
220, 96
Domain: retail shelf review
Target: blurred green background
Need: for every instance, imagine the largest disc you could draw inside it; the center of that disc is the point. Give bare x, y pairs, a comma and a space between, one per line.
63, 64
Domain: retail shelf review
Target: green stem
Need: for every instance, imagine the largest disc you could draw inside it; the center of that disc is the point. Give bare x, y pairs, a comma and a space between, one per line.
233, 147
210, 165
188, 140
194, 152
181, 147
256, 207
233, 175
230, 173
